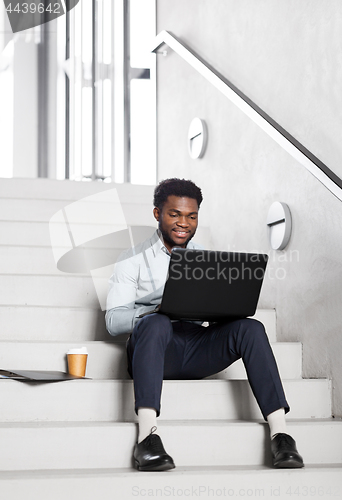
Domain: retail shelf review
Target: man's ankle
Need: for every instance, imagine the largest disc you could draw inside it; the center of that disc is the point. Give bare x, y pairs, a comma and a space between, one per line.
147, 418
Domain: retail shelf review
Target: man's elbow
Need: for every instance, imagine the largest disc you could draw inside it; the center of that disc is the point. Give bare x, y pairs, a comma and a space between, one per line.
111, 324
114, 324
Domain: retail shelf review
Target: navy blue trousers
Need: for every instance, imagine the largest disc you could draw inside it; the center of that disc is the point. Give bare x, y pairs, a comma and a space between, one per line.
160, 349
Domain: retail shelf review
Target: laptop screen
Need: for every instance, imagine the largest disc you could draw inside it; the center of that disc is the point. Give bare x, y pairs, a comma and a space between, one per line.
212, 285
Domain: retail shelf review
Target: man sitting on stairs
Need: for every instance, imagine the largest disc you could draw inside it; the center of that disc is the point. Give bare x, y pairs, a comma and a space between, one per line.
159, 348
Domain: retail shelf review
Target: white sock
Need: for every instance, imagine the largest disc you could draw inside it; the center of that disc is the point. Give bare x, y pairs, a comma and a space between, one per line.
277, 423
147, 418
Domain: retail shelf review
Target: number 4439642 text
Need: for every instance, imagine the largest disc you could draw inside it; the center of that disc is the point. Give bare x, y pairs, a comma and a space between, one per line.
32, 8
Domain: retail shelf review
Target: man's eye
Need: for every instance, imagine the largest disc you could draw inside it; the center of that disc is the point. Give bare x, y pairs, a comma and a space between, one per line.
173, 215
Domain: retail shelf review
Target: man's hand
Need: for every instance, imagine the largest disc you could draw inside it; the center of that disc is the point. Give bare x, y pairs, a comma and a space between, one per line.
156, 309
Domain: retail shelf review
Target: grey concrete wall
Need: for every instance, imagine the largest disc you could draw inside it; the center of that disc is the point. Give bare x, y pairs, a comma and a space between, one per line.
286, 56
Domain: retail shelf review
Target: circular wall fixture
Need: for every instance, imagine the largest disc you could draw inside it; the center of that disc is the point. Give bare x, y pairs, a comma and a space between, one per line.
279, 225
197, 138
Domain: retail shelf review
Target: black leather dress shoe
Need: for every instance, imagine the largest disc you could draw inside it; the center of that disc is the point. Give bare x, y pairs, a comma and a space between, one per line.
150, 455
285, 453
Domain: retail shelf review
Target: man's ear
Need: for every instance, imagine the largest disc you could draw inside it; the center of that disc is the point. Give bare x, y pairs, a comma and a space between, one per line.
156, 213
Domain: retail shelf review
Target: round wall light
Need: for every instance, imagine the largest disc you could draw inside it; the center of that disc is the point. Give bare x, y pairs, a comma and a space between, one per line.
279, 225
197, 138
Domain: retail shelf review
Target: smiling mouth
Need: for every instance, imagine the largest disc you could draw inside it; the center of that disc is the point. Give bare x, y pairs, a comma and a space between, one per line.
181, 234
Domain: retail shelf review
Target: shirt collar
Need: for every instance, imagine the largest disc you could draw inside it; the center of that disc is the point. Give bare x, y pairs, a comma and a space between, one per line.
157, 244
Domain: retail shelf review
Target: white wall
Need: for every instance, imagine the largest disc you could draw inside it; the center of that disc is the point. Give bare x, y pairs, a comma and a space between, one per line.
2, 29
25, 112
286, 56
6, 95
19, 101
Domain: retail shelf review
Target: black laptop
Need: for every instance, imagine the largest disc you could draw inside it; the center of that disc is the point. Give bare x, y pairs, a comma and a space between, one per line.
208, 285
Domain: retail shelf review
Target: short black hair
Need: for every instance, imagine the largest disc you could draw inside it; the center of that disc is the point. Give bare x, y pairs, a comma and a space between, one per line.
176, 187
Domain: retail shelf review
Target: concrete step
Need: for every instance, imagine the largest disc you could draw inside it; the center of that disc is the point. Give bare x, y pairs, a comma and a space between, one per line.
73, 324
39, 323
48, 290
32, 210
50, 189
25, 233
37, 234
289, 360
96, 445
39, 259
269, 320
107, 360
314, 481
112, 400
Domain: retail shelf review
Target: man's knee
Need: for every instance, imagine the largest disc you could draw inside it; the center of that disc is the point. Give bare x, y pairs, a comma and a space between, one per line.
253, 324
253, 329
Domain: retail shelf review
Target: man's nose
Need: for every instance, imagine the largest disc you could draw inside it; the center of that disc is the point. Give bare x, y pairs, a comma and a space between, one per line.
182, 221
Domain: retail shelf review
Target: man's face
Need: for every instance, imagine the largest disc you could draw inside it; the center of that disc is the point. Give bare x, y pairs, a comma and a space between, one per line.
178, 220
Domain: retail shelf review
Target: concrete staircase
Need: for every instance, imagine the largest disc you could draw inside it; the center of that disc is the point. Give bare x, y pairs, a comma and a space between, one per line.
74, 439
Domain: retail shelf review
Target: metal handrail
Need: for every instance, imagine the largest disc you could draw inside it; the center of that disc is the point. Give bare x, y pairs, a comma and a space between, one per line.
323, 173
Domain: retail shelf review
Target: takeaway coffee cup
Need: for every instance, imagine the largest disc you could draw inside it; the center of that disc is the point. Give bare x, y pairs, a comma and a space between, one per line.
77, 361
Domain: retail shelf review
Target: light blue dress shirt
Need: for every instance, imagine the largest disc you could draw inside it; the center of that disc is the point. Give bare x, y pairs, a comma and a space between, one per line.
137, 284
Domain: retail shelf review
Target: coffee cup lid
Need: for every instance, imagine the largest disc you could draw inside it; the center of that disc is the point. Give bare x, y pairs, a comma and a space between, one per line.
78, 350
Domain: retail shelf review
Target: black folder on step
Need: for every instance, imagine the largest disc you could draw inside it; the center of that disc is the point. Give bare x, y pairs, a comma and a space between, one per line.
37, 375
